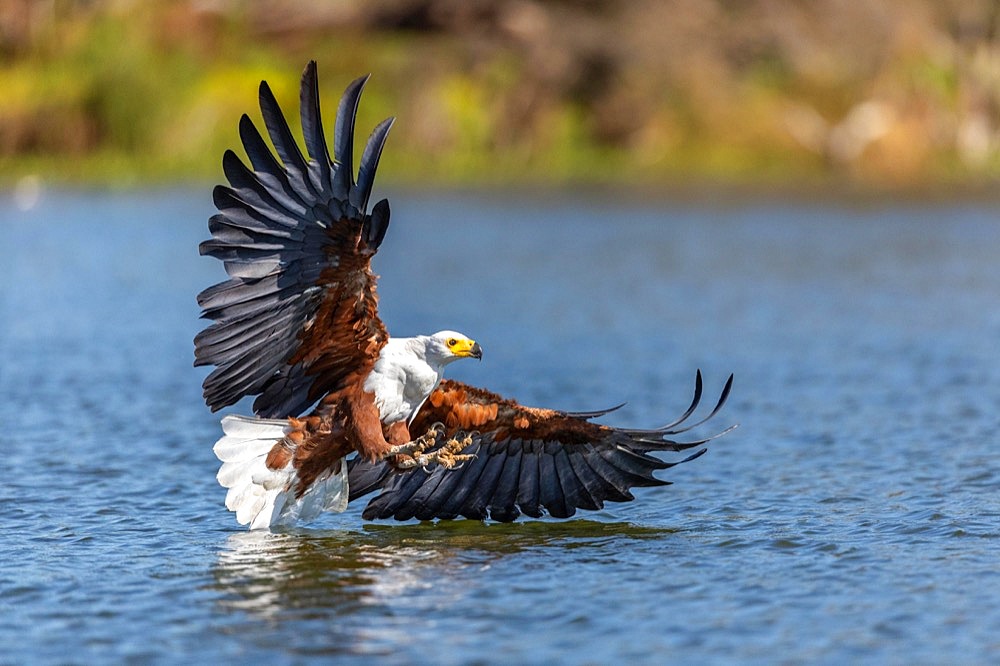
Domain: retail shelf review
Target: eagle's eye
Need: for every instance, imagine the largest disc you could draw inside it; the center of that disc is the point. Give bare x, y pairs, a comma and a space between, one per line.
452, 342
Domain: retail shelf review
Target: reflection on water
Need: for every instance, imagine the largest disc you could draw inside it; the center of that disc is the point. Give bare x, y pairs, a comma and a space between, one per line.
267, 574
339, 571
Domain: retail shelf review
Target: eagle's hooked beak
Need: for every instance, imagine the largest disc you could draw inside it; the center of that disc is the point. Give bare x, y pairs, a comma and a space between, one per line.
465, 348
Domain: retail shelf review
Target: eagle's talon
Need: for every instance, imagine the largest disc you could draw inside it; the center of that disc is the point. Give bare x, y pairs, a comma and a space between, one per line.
414, 454
416, 448
448, 455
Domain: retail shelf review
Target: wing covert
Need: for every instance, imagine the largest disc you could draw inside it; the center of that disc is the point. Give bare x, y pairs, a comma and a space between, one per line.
299, 312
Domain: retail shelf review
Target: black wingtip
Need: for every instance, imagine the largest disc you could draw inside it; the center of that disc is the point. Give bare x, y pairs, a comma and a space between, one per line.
312, 124
266, 96
231, 166
699, 387
715, 410
369, 164
343, 137
378, 224
221, 197
593, 414
281, 136
727, 389
697, 454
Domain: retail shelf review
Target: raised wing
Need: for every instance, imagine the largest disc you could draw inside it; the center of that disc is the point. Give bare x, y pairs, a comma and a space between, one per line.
299, 313
527, 460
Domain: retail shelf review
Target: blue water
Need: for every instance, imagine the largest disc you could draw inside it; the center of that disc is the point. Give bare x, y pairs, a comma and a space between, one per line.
853, 516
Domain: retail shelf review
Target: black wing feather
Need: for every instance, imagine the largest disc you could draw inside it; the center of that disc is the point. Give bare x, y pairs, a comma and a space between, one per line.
284, 144
404, 486
596, 486
287, 392
275, 234
249, 189
613, 476
469, 476
476, 504
343, 138
369, 164
527, 486
550, 491
312, 128
444, 485
575, 491
503, 504
415, 506
366, 477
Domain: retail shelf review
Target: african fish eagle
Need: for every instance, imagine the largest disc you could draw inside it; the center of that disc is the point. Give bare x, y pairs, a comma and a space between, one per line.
343, 410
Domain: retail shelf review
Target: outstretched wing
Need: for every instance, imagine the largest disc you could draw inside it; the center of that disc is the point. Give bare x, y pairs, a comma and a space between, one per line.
527, 460
299, 312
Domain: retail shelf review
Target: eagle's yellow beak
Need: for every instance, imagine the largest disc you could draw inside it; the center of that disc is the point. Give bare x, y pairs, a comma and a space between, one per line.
464, 348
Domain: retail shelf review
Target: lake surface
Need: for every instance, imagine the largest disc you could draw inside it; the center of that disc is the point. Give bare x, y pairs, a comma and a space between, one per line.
854, 516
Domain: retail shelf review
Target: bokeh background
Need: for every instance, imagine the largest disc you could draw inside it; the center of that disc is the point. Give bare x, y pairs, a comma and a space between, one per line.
895, 94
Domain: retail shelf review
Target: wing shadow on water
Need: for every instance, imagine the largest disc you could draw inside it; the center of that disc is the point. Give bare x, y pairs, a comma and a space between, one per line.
349, 572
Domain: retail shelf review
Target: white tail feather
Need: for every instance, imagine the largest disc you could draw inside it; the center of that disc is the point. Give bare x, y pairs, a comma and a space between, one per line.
250, 427
264, 497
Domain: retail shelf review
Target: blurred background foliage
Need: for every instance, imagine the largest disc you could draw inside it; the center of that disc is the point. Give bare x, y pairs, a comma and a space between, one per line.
881, 94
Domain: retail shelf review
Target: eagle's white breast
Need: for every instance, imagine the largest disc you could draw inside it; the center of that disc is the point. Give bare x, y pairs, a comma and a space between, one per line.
404, 375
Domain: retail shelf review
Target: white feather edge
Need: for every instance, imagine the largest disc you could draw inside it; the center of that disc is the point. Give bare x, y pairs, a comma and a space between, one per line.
262, 497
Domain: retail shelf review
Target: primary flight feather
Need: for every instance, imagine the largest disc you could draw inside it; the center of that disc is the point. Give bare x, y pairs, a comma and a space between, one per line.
342, 409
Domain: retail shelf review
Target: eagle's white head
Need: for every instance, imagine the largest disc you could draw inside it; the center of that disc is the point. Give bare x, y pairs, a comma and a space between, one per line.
445, 347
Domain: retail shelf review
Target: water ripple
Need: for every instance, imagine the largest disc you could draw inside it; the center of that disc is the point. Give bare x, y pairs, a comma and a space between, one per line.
854, 515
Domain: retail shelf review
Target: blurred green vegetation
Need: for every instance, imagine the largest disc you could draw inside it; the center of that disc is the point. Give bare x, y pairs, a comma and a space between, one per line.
898, 93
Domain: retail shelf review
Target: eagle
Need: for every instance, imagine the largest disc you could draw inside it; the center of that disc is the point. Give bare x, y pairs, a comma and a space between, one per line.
343, 410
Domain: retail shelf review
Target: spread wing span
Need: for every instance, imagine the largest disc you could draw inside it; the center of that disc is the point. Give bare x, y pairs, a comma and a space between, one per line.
298, 314
527, 460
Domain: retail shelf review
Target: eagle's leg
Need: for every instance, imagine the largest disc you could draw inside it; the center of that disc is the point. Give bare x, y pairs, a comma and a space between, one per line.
415, 454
